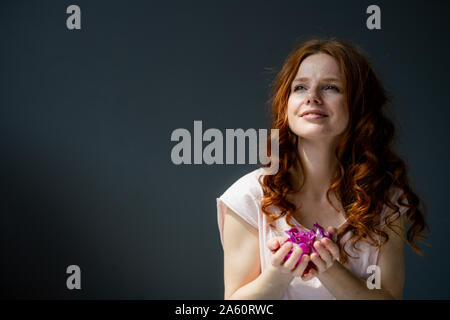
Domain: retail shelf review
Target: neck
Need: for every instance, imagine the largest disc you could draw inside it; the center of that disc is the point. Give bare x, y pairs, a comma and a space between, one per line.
319, 166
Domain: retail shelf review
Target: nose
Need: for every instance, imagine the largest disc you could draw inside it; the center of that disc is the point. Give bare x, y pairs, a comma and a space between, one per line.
313, 97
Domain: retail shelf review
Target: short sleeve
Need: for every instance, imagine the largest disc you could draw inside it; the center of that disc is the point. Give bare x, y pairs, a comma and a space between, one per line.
397, 192
240, 197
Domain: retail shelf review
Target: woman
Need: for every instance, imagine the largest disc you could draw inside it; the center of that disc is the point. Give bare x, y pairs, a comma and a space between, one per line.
336, 167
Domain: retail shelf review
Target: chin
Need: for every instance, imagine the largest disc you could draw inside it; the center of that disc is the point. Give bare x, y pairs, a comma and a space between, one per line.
314, 132
312, 135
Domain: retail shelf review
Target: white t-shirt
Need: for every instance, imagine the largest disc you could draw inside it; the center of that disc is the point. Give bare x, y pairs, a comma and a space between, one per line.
244, 198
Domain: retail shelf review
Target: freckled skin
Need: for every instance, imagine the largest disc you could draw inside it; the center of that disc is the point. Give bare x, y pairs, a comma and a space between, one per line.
318, 94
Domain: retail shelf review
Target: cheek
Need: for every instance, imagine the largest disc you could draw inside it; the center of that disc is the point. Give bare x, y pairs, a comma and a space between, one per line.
295, 102
342, 121
292, 106
341, 112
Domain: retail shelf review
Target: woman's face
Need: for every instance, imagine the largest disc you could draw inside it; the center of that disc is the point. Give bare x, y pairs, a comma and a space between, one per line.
317, 108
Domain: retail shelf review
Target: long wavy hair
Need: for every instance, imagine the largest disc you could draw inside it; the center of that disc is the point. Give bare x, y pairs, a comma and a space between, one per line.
368, 167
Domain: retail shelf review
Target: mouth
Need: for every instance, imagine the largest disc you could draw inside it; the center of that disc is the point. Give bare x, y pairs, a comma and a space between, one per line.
314, 116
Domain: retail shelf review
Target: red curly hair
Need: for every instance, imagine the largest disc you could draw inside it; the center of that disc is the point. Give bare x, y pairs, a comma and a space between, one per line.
368, 168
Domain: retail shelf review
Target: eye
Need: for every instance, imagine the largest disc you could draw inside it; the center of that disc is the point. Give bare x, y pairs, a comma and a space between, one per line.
295, 88
332, 87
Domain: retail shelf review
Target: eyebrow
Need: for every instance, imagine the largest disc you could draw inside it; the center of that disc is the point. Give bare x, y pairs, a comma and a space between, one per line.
324, 79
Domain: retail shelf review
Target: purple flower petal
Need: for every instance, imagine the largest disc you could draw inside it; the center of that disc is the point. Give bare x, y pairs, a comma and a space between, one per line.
321, 231
305, 239
305, 248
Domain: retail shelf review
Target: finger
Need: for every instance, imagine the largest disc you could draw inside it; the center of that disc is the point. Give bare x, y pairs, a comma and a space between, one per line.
293, 259
332, 232
323, 253
273, 244
320, 264
332, 247
308, 271
311, 274
278, 257
300, 268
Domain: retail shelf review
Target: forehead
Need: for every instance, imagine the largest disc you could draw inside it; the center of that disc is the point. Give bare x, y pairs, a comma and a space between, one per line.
319, 65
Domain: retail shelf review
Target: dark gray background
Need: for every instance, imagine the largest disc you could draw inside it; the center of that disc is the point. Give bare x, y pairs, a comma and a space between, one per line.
86, 118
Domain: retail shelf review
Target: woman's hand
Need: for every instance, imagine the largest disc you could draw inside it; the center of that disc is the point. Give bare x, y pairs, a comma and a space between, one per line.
278, 253
327, 253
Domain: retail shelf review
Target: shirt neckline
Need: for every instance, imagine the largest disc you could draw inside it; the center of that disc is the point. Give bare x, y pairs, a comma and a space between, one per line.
303, 227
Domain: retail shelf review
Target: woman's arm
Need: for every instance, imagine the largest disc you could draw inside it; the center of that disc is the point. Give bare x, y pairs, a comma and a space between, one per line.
343, 284
242, 271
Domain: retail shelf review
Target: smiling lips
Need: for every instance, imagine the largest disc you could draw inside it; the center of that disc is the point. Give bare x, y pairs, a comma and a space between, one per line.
313, 114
